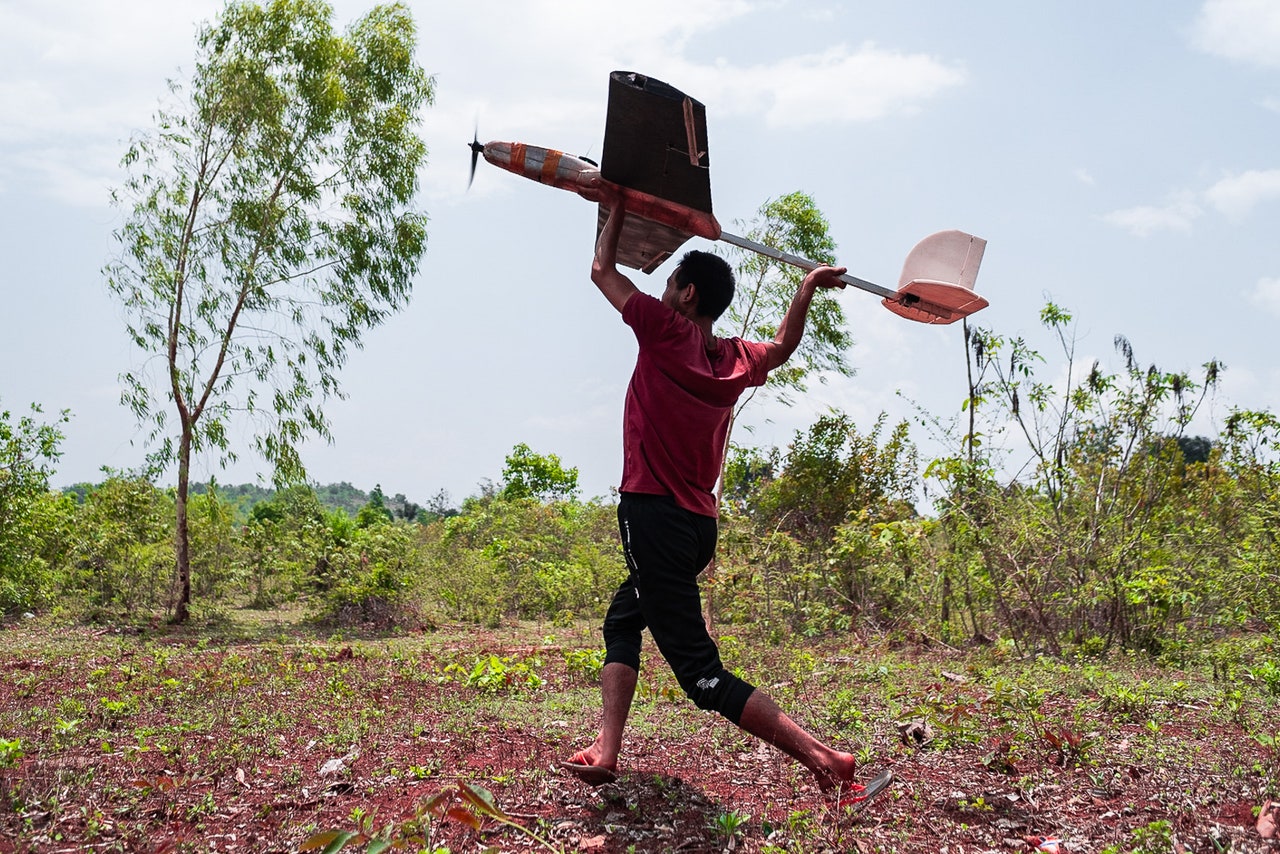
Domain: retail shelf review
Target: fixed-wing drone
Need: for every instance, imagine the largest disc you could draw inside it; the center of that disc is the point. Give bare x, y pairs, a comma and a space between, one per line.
655, 153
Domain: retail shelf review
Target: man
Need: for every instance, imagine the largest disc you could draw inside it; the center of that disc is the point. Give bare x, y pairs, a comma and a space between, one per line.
682, 392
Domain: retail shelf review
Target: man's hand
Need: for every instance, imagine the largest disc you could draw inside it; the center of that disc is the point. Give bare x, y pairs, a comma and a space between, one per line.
825, 277
603, 192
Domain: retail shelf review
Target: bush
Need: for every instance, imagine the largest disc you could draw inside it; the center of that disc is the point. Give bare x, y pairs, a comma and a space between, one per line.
371, 577
524, 559
32, 522
122, 548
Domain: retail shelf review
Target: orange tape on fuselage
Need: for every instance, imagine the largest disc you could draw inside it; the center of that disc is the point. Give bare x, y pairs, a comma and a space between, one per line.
518, 153
550, 164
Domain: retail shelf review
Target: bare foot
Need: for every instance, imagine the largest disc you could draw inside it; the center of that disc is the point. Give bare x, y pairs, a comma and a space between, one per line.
838, 771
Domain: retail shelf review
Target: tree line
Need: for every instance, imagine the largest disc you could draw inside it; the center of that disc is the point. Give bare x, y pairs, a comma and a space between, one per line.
1123, 534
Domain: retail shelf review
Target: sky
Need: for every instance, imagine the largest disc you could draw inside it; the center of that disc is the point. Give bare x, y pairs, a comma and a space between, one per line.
1121, 160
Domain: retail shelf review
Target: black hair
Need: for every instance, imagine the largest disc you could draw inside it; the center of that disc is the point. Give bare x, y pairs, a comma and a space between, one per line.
714, 278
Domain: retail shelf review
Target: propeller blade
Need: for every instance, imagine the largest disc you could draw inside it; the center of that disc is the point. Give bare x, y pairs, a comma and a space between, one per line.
476, 150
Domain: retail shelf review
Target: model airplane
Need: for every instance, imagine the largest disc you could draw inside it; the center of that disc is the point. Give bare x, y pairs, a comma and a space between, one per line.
655, 153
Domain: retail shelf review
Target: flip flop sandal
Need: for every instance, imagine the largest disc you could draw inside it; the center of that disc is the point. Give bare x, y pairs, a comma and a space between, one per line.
860, 794
592, 775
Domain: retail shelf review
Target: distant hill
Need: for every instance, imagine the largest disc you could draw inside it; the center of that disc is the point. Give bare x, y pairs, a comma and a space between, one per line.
332, 496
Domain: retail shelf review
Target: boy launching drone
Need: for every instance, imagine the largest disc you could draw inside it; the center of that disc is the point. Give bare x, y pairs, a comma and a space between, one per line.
675, 422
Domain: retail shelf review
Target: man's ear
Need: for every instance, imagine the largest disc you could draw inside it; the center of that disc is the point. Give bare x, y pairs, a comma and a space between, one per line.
689, 296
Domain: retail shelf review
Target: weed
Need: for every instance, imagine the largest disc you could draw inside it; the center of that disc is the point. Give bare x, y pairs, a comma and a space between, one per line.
729, 825
64, 730
1154, 838
1001, 757
1233, 704
465, 803
845, 710
1266, 674
1125, 700
115, 711
494, 675
1070, 747
10, 752
956, 720
585, 664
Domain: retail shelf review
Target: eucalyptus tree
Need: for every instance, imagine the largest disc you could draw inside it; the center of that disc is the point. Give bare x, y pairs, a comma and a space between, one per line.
268, 223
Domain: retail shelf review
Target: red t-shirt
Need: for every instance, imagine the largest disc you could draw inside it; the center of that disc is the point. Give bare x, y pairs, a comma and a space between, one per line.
679, 402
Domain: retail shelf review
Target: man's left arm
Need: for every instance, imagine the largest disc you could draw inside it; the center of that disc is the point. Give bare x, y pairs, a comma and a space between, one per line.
615, 286
791, 330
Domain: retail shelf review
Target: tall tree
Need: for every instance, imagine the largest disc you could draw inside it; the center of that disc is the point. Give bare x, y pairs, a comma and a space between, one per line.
792, 224
765, 287
268, 224
537, 477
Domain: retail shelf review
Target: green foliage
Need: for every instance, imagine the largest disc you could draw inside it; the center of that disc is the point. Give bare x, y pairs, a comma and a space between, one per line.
791, 223
285, 546
10, 752
730, 825
1154, 838
585, 664
492, 674
267, 227
466, 803
519, 558
1123, 531
122, 548
216, 554
825, 532
375, 512
33, 523
537, 477
369, 577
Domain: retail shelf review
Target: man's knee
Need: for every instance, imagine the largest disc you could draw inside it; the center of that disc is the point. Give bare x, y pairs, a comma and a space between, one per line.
622, 648
720, 692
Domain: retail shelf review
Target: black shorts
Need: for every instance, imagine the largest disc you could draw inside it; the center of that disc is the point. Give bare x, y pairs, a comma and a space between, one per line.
666, 547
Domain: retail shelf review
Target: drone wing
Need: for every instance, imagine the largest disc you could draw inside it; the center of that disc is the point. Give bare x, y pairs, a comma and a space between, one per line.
655, 142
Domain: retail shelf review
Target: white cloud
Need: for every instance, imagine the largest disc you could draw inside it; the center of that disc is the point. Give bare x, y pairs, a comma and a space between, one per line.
1145, 220
1084, 176
1237, 195
1266, 295
1234, 196
837, 85
1242, 30
78, 77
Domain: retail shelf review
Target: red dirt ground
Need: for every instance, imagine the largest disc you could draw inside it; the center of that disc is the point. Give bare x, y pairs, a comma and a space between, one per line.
196, 775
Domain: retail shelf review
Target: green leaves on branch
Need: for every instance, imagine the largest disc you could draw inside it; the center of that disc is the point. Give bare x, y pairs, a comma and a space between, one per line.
793, 224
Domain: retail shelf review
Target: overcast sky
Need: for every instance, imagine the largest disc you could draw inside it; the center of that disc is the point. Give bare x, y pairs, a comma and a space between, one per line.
1122, 159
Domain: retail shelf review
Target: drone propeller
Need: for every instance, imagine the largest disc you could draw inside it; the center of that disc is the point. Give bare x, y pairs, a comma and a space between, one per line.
476, 150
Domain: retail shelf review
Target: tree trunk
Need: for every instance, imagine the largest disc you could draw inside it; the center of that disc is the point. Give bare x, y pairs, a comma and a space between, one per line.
182, 539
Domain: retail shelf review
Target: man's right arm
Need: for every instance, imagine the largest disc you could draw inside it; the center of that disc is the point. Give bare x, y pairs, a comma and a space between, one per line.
615, 286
